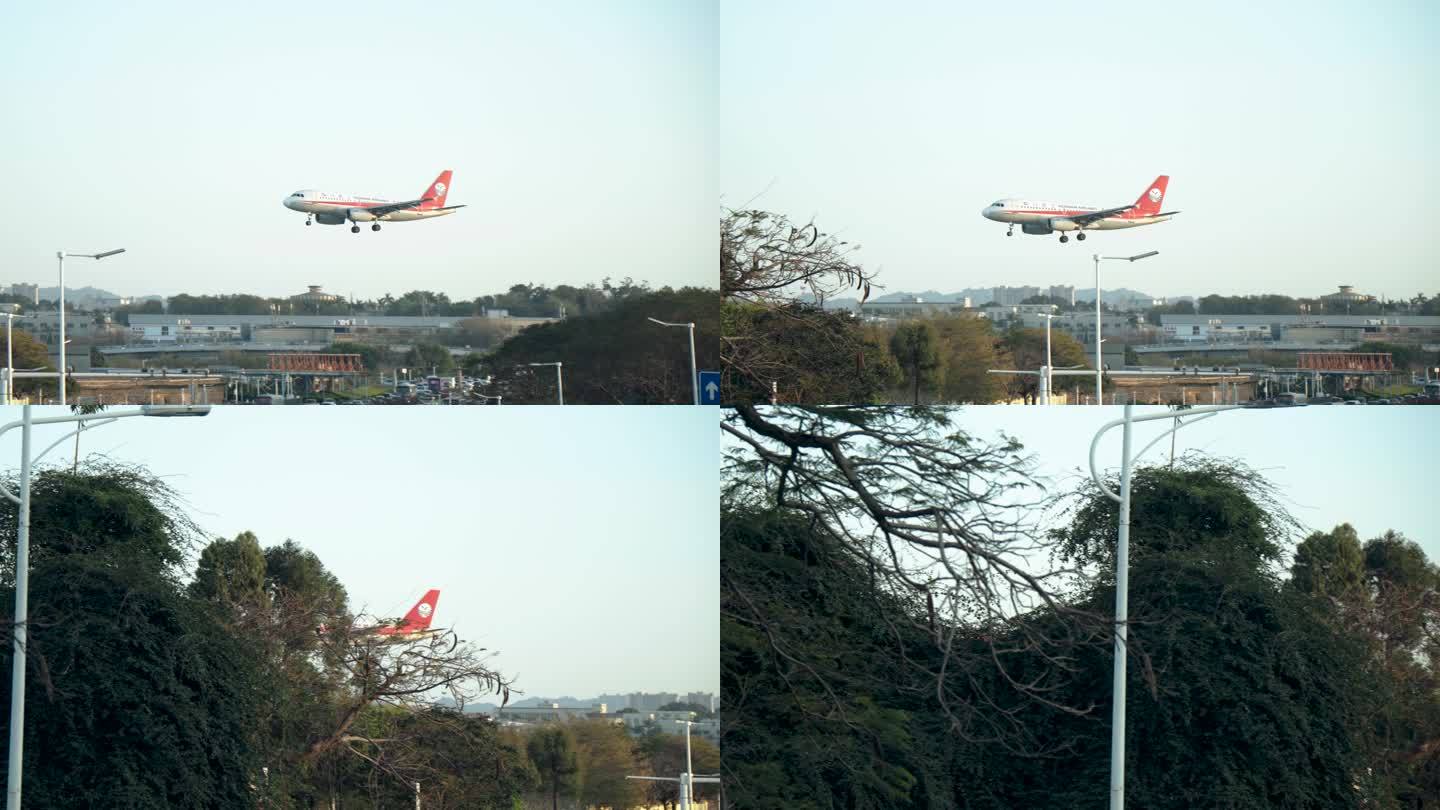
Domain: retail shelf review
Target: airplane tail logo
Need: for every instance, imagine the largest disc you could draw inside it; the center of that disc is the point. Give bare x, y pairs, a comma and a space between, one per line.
437, 191
1149, 203
419, 616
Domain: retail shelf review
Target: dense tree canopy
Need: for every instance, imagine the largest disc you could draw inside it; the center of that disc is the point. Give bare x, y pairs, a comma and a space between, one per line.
615, 356
850, 687
137, 696
799, 353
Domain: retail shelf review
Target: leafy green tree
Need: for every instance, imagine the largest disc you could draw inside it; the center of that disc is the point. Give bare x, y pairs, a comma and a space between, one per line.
850, 691
969, 352
614, 356
231, 571
1387, 594
664, 755
426, 355
102, 510
821, 712
802, 354
1206, 507
1024, 349
776, 334
1330, 565
552, 751
1240, 696
915, 346
1221, 650
421, 302
29, 353
605, 755
138, 697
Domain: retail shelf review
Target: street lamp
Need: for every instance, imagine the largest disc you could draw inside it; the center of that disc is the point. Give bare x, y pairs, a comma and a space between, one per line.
1122, 573
687, 779
1045, 378
694, 378
60, 254
1099, 398
9, 354
559, 381
22, 560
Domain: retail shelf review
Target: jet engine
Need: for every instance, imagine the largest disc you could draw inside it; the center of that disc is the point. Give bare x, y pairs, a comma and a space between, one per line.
1038, 228
1063, 225
361, 215
330, 218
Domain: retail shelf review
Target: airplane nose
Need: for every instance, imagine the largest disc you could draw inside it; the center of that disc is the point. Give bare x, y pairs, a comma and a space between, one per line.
987, 211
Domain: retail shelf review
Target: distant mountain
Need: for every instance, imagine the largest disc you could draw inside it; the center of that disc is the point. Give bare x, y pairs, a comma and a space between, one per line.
82, 296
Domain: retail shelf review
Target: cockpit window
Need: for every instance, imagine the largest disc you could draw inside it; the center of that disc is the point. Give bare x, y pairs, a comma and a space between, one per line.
297, 194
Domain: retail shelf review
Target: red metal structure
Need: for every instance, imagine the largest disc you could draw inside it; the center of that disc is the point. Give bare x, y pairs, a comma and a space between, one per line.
1345, 361
322, 363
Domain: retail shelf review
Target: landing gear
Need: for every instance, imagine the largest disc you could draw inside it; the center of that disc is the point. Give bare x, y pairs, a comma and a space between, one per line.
1010, 232
1064, 239
307, 220
354, 228
375, 227
1080, 237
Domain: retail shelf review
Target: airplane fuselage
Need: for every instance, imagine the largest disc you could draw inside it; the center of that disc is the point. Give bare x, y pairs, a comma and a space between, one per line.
1055, 216
330, 208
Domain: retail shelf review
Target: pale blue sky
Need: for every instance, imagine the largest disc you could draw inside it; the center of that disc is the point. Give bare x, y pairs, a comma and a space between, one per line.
1369, 467
581, 135
1299, 137
582, 543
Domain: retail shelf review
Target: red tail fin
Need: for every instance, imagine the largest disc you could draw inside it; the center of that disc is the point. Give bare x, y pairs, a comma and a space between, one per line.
419, 616
1149, 203
437, 191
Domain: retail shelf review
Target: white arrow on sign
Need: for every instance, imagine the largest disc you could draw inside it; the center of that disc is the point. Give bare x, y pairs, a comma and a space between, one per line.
712, 390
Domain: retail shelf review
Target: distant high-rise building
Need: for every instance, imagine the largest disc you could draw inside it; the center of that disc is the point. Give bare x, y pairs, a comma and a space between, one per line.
1010, 296
1065, 292
27, 291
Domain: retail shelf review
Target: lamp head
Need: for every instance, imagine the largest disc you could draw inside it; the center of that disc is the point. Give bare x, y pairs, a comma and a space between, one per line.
175, 410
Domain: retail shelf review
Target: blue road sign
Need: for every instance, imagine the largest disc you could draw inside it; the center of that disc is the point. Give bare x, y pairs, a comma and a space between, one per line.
709, 388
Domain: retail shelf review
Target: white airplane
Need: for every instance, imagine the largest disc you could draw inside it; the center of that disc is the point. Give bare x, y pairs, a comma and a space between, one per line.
1041, 217
329, 208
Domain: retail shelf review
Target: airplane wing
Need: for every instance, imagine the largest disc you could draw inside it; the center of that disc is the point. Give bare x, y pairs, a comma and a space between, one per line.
1085, 219
390, 208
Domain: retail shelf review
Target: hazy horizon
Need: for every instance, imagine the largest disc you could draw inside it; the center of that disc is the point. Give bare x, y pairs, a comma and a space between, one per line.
1293, 135
581, 137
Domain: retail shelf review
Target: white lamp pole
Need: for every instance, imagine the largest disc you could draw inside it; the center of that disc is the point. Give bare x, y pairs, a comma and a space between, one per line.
1045, 377
694, 376
559, 380
9, 354
1122, 573
1099, 369
60, 254
22, 562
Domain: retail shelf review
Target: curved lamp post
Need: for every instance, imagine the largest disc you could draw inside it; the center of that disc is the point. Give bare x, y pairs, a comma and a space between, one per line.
1122, 563
22, 560
60, 254
694, 377
559, 380
1099, 369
